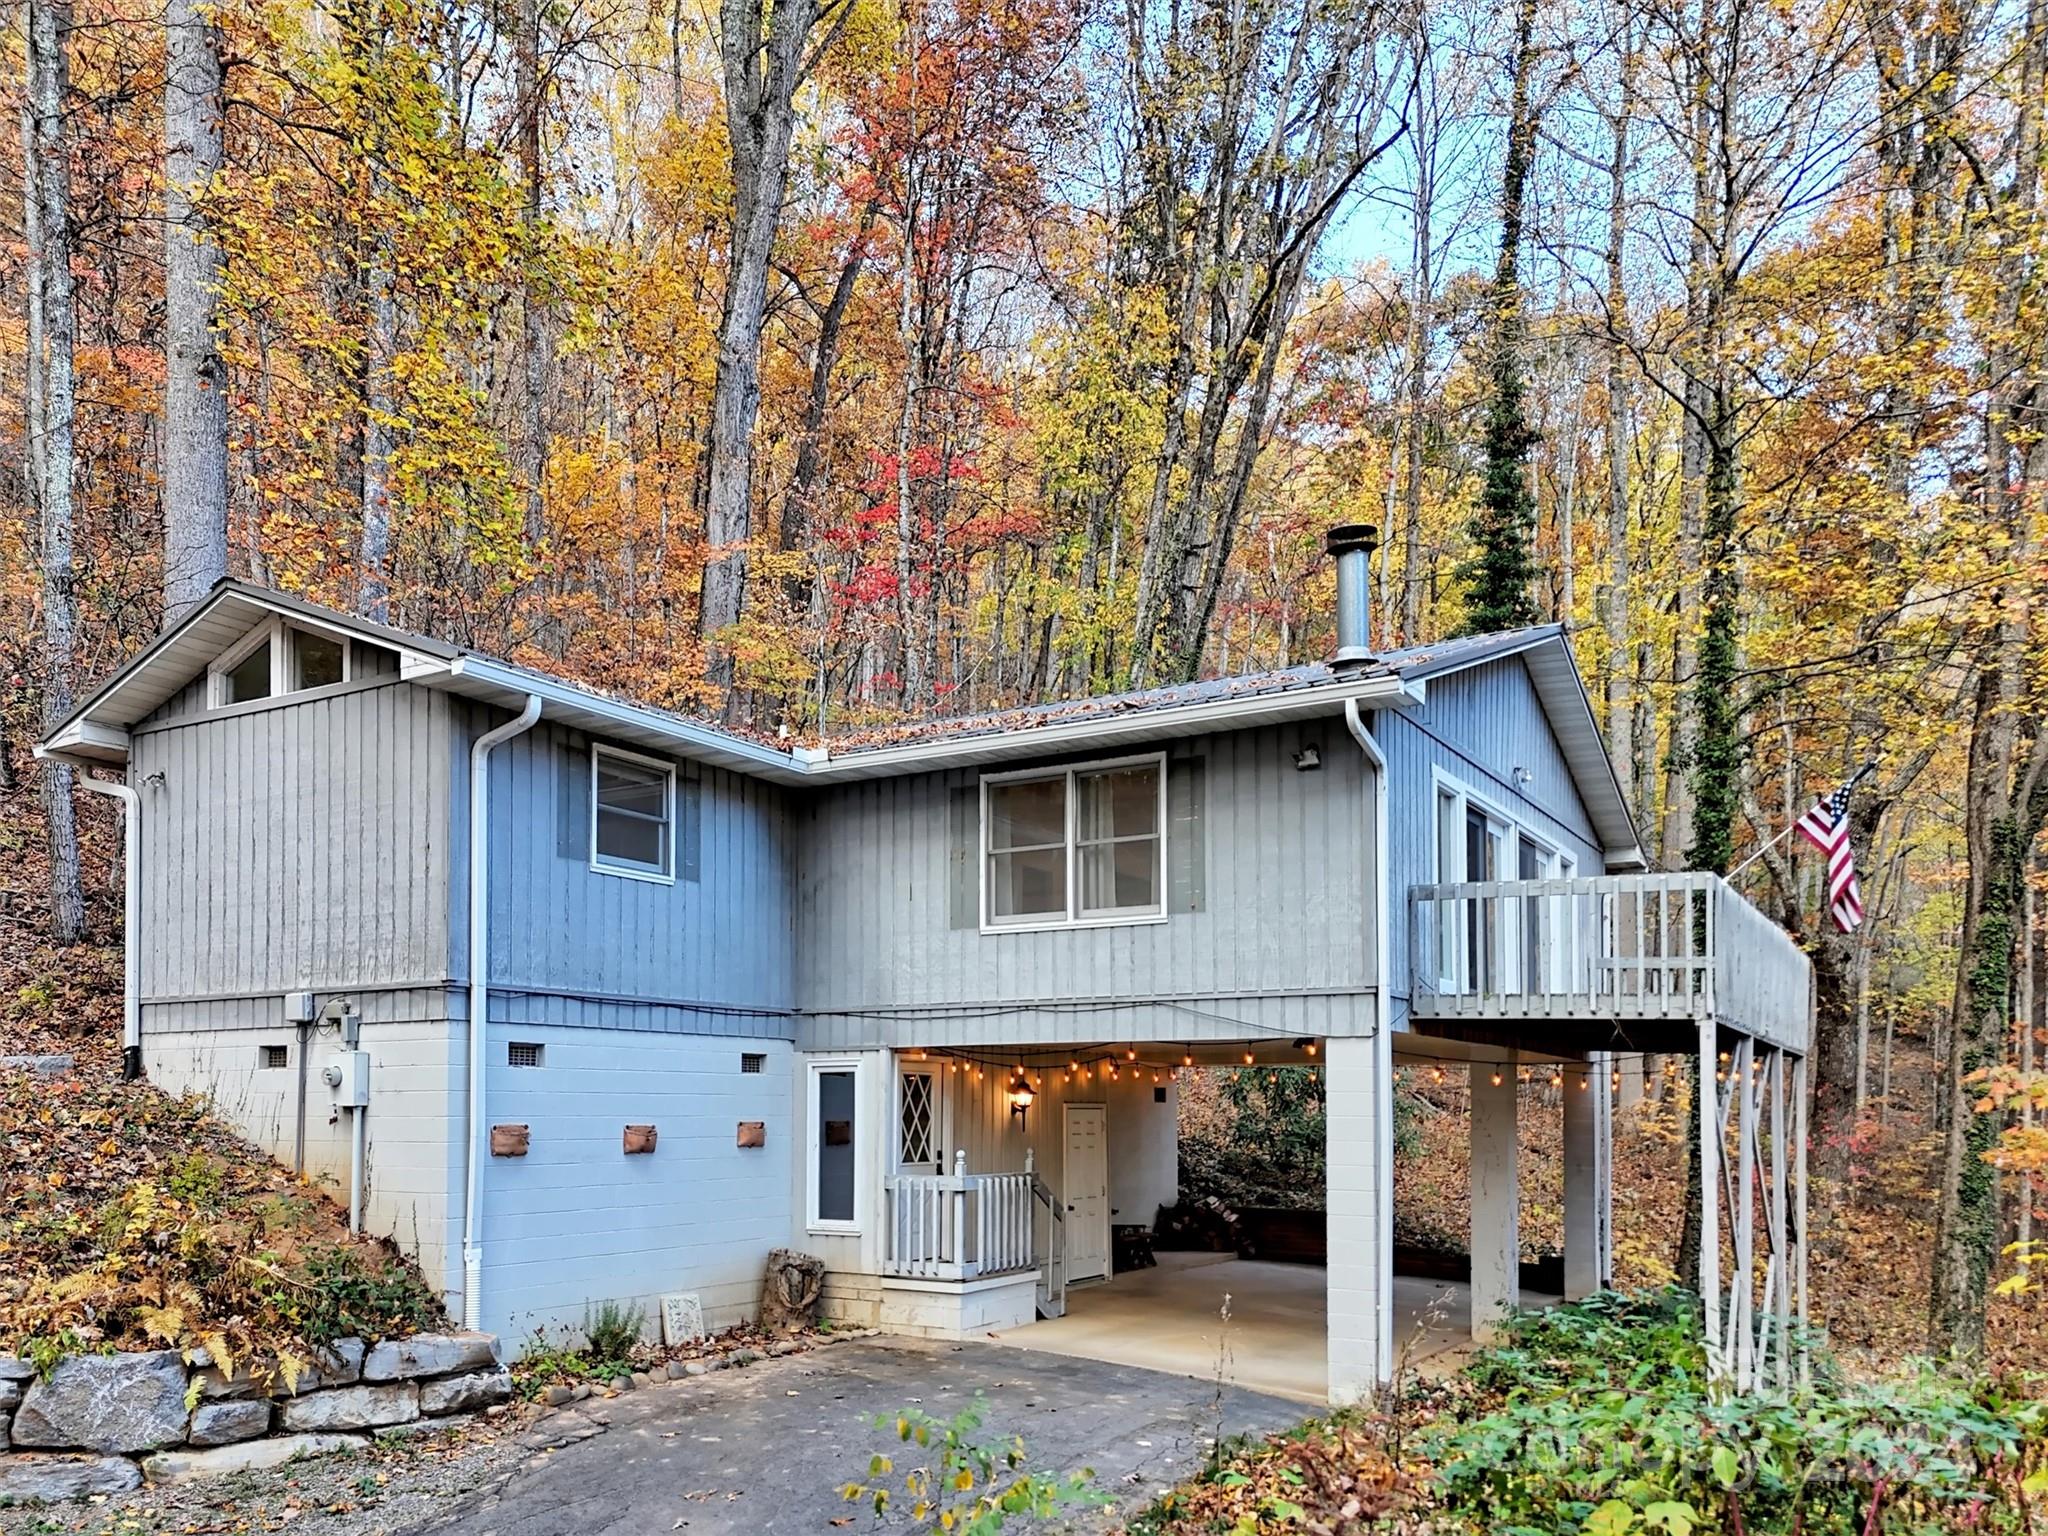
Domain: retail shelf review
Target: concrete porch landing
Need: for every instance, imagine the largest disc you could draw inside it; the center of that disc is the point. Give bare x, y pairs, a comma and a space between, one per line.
1169, 1319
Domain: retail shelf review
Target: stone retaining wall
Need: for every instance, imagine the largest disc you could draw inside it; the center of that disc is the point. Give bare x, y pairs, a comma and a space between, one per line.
105, 1423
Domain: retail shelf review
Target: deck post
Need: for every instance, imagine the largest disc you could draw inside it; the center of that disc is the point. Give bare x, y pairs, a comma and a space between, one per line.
1709, 1156
1358, 1082
1588, 1176
1496, 1241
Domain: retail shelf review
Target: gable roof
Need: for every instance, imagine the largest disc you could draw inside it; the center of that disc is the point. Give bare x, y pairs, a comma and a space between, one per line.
97, 729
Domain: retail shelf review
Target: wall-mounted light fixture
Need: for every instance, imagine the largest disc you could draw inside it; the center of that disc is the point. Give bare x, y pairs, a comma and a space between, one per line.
1522, 775
1308, 758
1021, 1095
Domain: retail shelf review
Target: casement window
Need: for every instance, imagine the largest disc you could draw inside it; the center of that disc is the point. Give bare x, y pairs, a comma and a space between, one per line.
632, 815
832, 1161
1074, 846
278, 658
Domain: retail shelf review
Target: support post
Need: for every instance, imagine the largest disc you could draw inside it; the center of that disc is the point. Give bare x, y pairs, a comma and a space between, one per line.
1708, 1154
1496, 1239
1588, 1177
1358, 1079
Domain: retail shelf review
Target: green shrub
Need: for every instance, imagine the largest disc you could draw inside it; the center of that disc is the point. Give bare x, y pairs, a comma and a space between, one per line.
611, 1331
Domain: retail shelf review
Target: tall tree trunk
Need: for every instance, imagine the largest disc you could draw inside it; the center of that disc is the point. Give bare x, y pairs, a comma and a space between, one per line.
764, 51
531, 96
49, 84
195, 477
2006, 788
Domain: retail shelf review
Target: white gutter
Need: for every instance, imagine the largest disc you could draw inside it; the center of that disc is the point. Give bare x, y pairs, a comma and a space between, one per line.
479, 997
131, 907
1383, 1034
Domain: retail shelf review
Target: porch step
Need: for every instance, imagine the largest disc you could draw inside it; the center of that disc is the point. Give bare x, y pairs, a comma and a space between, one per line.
1049, 1308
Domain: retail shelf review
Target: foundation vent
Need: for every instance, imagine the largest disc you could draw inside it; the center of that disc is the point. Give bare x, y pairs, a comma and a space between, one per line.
522, 1053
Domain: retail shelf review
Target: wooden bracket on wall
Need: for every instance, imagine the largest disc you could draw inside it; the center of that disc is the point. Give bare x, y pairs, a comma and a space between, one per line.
753, 1133
639, 1138
509, 1140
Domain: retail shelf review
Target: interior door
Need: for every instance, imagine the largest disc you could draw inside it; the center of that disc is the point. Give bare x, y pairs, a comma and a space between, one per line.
1085, 1177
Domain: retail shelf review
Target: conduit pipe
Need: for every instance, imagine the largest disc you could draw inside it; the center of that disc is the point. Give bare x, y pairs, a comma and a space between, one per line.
131, 908
479, 997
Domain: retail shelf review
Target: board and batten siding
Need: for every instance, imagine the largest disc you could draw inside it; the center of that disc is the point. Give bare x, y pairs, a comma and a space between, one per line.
1268, 928
1478, 727
710, 953
301, 843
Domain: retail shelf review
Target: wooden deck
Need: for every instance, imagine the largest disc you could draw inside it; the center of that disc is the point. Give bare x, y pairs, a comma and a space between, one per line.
1643, 950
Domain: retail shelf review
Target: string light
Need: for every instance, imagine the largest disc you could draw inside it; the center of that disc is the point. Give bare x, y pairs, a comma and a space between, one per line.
1247, 1058
1187, 1057
1130, 1055
1557, 1077
1496, 1077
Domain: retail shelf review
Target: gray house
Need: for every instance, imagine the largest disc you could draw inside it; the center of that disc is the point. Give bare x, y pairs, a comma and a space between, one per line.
917, 1005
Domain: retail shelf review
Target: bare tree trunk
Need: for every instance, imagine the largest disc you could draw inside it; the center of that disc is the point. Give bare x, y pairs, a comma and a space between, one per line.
533, 447
49, 83
195, 483
373, 587
765, 51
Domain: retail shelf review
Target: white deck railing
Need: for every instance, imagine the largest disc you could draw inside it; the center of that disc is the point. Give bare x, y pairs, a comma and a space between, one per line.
958, 1225
1678, 946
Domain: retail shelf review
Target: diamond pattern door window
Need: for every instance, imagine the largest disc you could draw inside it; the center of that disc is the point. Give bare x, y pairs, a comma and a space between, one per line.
919, 1133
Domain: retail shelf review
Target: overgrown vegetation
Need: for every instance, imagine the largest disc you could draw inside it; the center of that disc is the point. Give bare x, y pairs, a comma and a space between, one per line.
138, 1221
1597, 1418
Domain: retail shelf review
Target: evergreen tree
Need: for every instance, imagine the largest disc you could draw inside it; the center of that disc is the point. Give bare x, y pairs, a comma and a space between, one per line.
1500, 576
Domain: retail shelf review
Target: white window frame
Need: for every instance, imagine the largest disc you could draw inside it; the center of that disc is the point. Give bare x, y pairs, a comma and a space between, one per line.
1559, 864
813, 1069
280, 635
598, 865
1073, 917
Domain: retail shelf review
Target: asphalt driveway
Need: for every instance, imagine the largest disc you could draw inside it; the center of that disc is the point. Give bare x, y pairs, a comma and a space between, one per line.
765, 1451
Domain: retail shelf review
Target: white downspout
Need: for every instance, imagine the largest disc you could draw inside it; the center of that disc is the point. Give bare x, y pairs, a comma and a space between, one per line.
479, 998
1383, 1037
131, 909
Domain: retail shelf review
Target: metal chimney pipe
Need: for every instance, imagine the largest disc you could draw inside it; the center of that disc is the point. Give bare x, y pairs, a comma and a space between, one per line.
1352, 546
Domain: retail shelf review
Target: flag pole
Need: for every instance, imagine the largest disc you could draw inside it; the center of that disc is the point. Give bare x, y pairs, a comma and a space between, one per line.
1763, 848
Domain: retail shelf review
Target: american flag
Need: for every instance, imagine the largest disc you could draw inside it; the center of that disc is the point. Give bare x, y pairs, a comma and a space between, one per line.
1826, 826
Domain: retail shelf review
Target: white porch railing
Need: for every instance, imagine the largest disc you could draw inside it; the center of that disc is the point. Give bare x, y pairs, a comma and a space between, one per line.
958, 1225
1678, 946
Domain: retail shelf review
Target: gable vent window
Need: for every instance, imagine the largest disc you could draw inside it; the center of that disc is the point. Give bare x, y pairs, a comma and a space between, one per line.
522, 1053
632, 811
273, 1055
753, 1063
276, 658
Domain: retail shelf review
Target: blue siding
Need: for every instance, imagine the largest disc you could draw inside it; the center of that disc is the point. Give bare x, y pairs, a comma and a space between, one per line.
713, 954
1478, 727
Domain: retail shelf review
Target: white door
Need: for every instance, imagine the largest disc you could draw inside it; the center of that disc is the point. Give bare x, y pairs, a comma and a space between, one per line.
1085, 1177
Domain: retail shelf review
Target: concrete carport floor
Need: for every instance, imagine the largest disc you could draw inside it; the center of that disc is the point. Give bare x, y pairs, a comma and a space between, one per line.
765, 1451
1169, 1318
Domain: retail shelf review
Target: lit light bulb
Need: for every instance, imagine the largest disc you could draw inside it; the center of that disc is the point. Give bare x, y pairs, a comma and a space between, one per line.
1496, 1077
1247, 1058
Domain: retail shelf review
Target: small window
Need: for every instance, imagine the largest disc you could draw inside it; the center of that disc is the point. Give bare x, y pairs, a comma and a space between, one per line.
753, 1063
1084, 845
834, 1147
633, 815
522, 1053
250, 677
274, 1055
316, 660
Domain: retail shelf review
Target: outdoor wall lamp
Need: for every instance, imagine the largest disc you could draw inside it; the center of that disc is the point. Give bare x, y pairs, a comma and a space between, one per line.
1021, 1096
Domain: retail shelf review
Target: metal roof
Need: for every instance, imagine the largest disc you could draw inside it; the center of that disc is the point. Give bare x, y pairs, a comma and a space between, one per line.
97, 729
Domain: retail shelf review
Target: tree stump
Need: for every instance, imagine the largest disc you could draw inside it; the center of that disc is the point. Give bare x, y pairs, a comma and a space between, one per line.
790, 1291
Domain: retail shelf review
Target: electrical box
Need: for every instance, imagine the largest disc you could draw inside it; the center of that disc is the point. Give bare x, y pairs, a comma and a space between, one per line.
298, 1007
348, 1074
